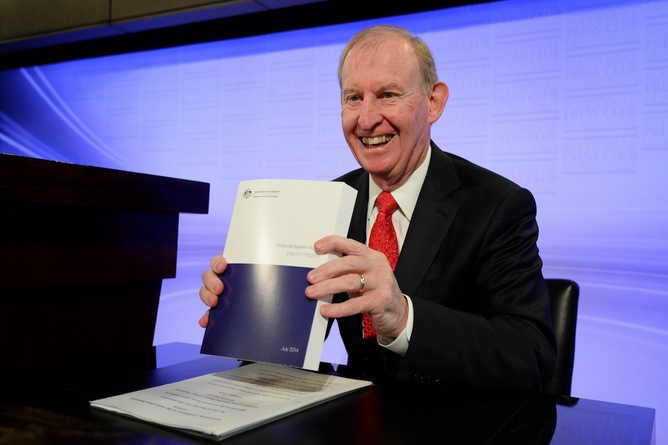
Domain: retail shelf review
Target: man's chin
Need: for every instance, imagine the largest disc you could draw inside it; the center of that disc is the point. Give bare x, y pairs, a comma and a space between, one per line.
374, 167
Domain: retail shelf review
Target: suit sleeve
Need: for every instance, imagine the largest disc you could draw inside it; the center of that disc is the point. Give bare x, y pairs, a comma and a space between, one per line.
483, 319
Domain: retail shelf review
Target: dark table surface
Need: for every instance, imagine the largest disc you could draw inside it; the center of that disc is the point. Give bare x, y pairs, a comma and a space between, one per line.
55, 411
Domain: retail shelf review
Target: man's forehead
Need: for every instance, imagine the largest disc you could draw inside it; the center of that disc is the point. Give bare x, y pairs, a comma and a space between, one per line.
384, 62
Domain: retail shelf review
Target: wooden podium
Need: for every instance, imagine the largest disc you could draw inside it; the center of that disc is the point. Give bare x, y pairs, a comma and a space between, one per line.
83, 252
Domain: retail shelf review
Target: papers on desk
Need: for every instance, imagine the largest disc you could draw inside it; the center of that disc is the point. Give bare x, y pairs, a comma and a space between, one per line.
223, 404
263, 314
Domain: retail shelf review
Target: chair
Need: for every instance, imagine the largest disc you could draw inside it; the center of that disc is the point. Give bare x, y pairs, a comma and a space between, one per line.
564, 295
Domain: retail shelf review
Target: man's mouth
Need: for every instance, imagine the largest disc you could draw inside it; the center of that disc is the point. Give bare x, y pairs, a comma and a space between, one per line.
376, 141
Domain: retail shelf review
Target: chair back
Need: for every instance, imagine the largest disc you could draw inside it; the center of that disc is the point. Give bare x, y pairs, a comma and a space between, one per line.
564, 296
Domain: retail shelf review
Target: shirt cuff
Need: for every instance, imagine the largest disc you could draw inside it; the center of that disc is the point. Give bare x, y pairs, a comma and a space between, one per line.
400, 344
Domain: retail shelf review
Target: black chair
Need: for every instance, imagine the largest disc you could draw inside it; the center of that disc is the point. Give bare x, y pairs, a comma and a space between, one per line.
564, 295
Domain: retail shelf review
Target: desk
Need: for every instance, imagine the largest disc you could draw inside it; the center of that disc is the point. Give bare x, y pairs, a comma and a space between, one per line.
382, 414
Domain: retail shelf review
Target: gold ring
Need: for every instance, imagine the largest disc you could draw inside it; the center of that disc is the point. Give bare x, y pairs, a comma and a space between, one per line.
362, 282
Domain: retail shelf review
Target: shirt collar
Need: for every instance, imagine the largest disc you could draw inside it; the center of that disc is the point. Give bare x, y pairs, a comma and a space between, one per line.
406, 195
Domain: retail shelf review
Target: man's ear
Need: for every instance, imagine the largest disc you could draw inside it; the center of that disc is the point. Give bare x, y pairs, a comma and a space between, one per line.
437, 100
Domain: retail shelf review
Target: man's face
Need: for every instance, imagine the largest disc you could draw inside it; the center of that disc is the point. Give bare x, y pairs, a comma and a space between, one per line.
385, 116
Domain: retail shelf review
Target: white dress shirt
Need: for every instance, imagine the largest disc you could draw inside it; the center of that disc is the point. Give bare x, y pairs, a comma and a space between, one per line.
406, 196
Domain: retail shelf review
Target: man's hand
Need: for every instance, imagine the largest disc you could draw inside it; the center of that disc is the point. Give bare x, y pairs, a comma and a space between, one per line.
212, 287
380, 298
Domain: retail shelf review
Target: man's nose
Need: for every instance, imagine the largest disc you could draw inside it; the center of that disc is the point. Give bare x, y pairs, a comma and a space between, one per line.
370, 115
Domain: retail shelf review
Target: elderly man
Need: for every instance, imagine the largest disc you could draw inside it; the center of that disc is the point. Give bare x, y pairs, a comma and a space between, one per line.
452, 292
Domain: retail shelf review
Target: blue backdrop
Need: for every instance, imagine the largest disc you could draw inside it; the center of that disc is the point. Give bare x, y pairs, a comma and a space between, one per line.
569, 99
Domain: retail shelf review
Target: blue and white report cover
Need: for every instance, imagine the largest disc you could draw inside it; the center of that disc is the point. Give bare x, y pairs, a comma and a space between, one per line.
263, 314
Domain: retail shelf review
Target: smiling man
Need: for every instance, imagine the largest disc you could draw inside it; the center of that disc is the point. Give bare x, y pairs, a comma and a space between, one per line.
439, 280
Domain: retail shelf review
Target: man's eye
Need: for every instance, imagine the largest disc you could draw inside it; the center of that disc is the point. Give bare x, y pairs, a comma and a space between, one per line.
389, 95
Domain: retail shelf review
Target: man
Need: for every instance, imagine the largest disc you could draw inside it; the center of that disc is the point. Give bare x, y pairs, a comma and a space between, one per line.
466, 304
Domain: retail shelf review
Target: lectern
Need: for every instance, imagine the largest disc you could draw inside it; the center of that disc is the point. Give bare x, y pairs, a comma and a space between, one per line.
83, 252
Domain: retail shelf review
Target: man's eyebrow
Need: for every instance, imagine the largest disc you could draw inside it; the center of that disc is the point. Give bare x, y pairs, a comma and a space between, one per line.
379, 88
347, 91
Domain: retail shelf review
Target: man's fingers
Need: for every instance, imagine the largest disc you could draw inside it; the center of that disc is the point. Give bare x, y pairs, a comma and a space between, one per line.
213, 286
208, 297
204, 321
218, 264
212, 283
350, 307
338, 244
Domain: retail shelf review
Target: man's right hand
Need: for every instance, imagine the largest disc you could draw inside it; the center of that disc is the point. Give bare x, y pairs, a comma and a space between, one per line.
212, 287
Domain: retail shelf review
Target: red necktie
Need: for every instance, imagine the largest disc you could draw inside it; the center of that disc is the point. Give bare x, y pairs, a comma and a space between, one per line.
383, 238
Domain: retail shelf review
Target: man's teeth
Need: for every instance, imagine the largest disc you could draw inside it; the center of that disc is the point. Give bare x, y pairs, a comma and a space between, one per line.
376, 140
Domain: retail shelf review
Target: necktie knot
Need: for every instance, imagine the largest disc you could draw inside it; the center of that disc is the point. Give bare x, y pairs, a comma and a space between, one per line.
386, 203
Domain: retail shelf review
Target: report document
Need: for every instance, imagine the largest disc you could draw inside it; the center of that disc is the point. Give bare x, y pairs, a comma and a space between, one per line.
263, 314
222, 404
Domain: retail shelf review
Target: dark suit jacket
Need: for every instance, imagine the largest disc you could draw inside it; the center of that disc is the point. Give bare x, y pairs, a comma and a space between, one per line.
471, 267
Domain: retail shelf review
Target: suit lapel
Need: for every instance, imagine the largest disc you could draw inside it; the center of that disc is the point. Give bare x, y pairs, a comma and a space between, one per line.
432, 218
357, 229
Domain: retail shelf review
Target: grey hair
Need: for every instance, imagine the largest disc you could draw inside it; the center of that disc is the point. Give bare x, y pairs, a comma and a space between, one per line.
374, 36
